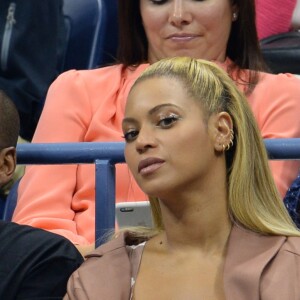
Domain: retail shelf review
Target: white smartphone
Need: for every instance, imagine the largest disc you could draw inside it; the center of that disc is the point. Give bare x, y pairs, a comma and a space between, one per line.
134, 214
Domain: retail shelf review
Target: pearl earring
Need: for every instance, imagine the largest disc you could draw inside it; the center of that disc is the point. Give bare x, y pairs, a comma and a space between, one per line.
234, 16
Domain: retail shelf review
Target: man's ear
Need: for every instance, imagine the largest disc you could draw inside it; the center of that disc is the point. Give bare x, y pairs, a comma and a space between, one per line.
223, 131
8, 160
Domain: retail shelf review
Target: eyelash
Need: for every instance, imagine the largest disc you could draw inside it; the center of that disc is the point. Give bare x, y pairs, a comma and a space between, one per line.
158, 2
171, 119
164, 123
130, 135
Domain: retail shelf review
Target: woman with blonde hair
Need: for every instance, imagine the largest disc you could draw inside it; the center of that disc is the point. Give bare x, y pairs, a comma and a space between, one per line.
221, 230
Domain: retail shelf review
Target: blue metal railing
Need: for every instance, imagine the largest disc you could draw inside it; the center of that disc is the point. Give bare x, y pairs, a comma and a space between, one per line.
105, 155
78, 153
283, 148
70, 153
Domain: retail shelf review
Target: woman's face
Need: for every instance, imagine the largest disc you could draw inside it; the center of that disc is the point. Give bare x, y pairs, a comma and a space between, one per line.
198, 29
169, 146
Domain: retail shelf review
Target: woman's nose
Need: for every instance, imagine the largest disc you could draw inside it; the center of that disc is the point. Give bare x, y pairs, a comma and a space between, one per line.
179, 14
145, 141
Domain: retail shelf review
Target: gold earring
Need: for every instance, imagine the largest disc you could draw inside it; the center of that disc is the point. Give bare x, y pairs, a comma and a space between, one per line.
231, 137
230, 144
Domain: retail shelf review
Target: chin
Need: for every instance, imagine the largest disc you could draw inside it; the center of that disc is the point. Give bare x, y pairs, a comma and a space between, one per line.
153, 192
161, 193
187, 53
159, 186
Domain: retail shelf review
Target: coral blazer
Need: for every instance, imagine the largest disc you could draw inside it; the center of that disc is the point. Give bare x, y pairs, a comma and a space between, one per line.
88, 106
256, 267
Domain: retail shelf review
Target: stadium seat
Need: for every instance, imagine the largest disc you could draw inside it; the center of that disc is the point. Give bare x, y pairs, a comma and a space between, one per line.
282, 52
91, 37
11, 202
2, 205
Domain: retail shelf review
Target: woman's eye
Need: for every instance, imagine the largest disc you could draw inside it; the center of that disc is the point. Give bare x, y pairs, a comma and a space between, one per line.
158, 2
129, 136
167, 122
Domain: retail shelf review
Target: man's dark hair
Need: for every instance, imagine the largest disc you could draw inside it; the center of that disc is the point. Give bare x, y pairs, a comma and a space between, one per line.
9, 122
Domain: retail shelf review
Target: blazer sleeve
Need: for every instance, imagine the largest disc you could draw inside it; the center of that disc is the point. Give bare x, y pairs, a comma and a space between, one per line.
105, 274
75, 291
276, 105
46, 192
281, 278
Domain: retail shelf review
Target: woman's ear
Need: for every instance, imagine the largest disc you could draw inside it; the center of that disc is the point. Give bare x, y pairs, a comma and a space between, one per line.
8, 160
223, 131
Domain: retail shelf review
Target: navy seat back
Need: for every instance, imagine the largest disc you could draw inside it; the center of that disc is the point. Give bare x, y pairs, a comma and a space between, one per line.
282, 52
2, 205
91, 37
11, 202
108, 49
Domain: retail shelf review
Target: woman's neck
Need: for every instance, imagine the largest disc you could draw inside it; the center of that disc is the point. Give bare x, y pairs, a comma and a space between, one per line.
202, 222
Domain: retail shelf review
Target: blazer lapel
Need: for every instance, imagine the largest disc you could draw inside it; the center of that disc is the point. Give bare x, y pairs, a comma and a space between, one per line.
248, 254
111, 269
109, 273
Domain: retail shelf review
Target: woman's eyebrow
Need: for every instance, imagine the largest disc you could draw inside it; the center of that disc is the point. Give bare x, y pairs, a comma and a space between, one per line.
158, 107
151, 112
129, 120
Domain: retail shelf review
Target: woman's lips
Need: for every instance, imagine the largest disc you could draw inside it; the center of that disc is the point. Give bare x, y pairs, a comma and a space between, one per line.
185, 37
149, 165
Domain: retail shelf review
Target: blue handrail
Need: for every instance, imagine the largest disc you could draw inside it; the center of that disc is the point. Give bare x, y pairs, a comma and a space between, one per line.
70, 153
88, 152
105, 155
285, 149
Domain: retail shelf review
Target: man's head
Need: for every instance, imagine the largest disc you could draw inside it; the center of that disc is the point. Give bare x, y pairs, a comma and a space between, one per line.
9, 132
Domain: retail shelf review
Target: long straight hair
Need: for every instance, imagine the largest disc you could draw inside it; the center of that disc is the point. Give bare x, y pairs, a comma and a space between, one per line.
253, 200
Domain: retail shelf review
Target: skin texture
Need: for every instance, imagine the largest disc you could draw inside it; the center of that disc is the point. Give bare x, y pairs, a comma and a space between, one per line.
187, 28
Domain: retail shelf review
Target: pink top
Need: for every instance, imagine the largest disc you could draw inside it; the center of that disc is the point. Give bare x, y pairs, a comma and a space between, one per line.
273, 16
89, 106
256, 267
